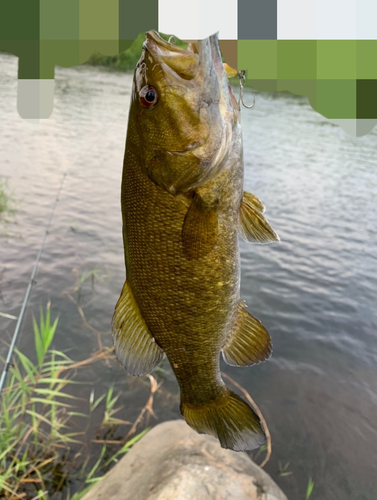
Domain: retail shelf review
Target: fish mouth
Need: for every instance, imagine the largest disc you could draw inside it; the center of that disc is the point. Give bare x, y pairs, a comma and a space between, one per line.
155, 43
185, 63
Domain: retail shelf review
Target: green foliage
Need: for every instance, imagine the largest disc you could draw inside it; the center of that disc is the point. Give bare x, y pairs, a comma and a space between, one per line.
260, 450
43, 334
35, 411
93, 274
283, 472
6, 200
127, 60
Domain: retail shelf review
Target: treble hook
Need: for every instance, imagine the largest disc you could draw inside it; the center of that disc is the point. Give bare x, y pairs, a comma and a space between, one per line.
172, 37
242, 77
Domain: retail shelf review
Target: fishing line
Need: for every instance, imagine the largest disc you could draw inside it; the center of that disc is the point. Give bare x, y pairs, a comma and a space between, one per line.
35, 268
26, 298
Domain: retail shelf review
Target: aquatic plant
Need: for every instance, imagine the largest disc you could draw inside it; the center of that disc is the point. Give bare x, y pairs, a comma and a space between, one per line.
6, 200
283, 469
35, 412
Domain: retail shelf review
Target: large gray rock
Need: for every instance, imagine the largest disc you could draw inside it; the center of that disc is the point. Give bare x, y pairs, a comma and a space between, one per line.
173, 462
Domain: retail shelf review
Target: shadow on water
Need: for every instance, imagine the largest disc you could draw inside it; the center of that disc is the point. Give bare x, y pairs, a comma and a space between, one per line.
315, 291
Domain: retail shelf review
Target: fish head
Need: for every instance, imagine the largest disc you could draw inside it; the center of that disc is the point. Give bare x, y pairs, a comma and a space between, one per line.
183, 111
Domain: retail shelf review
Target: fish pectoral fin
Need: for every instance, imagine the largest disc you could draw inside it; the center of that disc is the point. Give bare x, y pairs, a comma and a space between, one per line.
249, 342
253, 226
134, 344
199, 231
254, 201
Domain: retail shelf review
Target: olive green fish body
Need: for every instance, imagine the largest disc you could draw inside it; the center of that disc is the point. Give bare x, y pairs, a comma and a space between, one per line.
188, 304
183, 206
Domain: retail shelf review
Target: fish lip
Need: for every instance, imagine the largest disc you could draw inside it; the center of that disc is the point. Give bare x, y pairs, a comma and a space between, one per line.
156, 45
177, 63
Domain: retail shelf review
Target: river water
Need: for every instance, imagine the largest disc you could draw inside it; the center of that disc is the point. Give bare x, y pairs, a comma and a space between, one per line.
315, 291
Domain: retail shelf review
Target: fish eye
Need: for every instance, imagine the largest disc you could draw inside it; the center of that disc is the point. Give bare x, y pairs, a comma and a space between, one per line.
148, 96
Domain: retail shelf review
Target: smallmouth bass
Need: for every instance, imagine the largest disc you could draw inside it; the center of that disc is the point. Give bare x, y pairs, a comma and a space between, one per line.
183, 206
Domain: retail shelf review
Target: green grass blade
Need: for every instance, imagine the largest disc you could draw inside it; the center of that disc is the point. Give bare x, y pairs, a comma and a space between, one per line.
93, 406
23, 385
125, 448
8, 316
56, 380
41, 319
78, 414
309, 489
49, 331
27, 365
38, 416
96, 465
38, 342
49, 402
79, 495
52, 393
61, 354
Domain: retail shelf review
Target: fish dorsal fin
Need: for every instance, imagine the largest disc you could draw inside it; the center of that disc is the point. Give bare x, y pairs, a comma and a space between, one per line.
249, 342
135, 346
253, 226
199, 231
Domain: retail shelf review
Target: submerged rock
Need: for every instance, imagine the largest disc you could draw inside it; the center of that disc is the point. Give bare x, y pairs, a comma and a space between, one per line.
173, 462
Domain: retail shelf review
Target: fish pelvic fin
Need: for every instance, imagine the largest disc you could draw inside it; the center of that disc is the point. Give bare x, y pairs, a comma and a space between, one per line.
253, 226
229, 419
199, 231
249, 342
134, 344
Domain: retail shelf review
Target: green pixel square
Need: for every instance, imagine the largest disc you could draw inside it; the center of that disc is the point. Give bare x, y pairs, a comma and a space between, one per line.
19, 20
29, 60
336, 59
366, 99
366, 59
259, 58
297, 59
336, 98
99, 20
59, 20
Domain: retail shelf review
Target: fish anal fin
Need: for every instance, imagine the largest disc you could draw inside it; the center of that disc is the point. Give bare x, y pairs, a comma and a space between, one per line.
135, 346
253, 226
199, 231
249, 342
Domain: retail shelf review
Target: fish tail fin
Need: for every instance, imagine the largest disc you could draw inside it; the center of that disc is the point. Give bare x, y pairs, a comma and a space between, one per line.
229, 419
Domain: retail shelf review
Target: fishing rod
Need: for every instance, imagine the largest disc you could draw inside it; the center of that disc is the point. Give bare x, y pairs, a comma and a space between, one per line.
26, 298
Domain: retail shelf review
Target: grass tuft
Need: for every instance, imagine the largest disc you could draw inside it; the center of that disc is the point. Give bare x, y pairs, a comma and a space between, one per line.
36, 409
